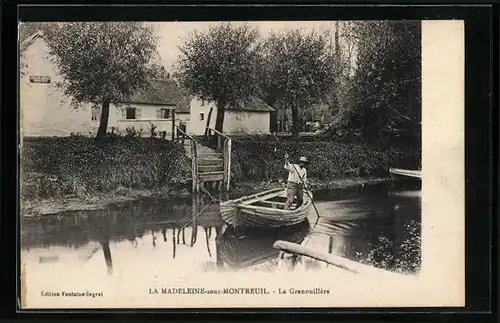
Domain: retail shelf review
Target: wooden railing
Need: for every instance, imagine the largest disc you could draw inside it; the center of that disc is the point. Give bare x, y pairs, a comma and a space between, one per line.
221, 143
180, 138
214, 139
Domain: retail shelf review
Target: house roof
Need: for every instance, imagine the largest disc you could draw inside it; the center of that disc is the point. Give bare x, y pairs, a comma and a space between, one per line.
28, 41
184, 105
158, 92
253, 105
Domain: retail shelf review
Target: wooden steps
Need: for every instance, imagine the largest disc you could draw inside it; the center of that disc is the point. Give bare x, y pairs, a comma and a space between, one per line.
209, 155
210, 166
210, 161
211, 176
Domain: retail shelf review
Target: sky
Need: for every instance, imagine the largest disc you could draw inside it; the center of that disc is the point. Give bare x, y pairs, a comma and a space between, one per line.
172, 33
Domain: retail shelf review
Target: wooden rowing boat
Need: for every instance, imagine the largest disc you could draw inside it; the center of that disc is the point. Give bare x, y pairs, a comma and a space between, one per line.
254, 250
264, 210
405, 174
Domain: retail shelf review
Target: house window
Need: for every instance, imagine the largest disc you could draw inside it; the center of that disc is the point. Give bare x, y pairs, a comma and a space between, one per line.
163, 113
131, 113
96, 112
202, 116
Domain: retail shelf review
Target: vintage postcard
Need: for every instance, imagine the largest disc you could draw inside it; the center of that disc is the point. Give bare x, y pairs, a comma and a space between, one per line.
241, 164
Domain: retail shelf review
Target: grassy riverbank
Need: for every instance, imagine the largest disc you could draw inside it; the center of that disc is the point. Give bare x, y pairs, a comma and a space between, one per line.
80, 173
80, 170
261, 158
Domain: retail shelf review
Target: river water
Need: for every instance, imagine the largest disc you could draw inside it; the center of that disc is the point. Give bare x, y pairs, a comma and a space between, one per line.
147, 243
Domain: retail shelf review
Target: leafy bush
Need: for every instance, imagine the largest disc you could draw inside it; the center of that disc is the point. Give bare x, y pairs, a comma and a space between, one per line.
82, 165
262, 158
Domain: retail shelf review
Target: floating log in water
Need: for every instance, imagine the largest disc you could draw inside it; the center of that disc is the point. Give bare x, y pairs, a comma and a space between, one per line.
340, 262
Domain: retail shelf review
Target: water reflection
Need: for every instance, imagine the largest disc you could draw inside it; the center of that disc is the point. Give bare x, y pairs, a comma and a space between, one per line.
78, 228
85, 233
240, 252
376, 224
107, 256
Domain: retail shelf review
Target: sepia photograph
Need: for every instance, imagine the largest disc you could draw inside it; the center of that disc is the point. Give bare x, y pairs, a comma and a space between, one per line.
209, 164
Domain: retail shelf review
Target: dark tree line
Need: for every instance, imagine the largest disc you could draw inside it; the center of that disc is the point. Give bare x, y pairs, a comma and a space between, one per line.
366, 73
384, 94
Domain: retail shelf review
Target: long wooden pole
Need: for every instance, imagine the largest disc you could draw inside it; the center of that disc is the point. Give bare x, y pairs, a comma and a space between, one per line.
194, 167
228, 164
305, 190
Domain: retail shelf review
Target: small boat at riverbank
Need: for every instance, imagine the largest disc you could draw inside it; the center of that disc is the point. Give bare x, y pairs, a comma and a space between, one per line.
264, 210
405, 174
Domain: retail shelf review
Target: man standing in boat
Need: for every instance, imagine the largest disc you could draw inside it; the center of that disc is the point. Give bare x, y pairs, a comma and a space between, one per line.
296, 183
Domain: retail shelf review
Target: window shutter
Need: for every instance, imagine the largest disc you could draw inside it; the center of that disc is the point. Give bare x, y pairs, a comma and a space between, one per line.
138, 113
158, 113
124, 113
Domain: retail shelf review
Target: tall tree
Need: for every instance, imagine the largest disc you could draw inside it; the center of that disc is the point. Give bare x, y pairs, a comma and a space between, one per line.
221, 65
340, 98
299, 71
386, 100
103, 62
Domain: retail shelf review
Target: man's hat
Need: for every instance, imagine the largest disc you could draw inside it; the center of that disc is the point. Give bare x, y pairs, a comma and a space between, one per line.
303, 159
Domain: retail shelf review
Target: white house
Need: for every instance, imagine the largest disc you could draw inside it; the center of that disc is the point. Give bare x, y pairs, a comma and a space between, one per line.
254, 117
46, 111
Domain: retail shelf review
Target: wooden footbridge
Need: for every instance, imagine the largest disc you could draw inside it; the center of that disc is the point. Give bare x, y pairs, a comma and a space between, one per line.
210, 158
